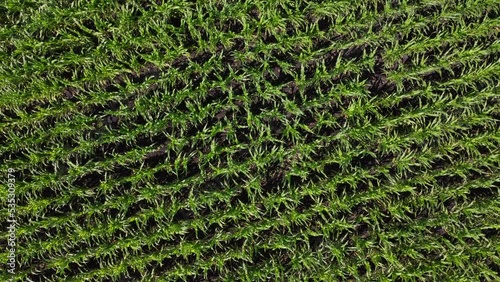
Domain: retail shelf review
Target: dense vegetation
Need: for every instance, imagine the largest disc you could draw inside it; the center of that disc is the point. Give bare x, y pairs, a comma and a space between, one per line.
251, 140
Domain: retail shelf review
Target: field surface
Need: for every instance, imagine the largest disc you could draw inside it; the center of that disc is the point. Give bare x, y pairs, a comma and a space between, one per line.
349, 140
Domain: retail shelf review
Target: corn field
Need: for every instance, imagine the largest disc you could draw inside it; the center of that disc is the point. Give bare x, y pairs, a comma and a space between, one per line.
250, 140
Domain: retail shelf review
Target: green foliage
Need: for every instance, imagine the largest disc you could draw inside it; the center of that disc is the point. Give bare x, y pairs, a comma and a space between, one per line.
252, 140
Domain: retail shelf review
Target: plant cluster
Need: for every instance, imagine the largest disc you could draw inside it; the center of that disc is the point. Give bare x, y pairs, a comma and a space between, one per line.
252, 140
